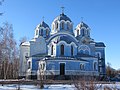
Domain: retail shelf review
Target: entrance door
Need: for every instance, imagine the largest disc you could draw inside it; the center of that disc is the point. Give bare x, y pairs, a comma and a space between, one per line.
62, 68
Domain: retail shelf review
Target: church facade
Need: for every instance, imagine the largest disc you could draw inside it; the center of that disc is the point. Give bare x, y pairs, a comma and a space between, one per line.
62, 51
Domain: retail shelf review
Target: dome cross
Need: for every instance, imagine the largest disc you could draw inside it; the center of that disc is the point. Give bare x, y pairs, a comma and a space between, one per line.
62, 9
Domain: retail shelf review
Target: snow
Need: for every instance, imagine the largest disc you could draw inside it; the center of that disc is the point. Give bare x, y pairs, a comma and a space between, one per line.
115, 86
33, 87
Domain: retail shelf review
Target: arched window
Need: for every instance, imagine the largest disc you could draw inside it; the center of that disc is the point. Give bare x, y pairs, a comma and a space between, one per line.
52, 50
62, 25
68, 25
72, 50
62, 50
77, 32
53, 27
41, 32
29, 65
82, 67
82, 32
95, 66
36, 32
56, 25
47, 32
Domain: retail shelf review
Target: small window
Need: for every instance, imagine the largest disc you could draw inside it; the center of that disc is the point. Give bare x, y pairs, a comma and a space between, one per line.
68, 25
36, 32
57, 25
29, 65
83, 32
62, 50
62, 25
47, 32
77, 32
81, 66
95, 66
41, 32
52, 50
53, 27
72, 50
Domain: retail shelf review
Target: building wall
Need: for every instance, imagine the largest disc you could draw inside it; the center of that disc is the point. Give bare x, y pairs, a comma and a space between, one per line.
38, 46
24, 51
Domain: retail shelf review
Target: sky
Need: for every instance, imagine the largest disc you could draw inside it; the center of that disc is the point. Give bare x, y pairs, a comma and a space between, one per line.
102, 16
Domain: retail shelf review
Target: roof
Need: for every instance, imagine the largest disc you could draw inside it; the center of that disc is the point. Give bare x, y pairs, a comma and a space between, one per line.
43, 24
84, 55
99, 44
25, 44
62, 17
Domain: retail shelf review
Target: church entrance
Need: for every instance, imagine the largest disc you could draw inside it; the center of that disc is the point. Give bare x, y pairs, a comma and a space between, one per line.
62, 68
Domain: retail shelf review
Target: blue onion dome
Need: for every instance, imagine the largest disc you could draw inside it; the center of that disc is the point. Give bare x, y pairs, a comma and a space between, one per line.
43, 24
62, 23
43, 30
82, 29
62, 17
82, 24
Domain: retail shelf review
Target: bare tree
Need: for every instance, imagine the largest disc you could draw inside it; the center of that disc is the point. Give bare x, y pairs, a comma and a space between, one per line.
8, 50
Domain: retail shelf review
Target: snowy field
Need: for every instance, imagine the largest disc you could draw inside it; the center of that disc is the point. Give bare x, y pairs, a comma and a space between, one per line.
115, 86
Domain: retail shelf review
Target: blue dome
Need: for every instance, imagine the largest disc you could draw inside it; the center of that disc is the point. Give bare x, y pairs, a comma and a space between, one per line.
43, 24
62, 17
82, 24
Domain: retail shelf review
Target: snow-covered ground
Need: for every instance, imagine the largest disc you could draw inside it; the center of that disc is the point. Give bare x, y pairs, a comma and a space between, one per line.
115, 86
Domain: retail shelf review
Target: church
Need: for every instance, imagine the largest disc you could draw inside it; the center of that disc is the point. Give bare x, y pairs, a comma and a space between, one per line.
62, 51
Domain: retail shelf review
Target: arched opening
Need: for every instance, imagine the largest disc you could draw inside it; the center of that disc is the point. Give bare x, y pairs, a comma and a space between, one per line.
41, 32
62, 50
36, 32
81, 66
62, 25
53, 27
47, 32
95, 66
52, 50
56, 25
72, 50
29, 65
82, 32
68, 25
77, 32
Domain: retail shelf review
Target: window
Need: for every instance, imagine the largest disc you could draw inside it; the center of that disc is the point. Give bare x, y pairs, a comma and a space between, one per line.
77, 32
29, 65
36, 32
52, 50
71, 50
95, 66
98, 54
41, 32
47, 32
68, 25
83, 32
53, 27
56, 25
62, 50
62, 25
81, 66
